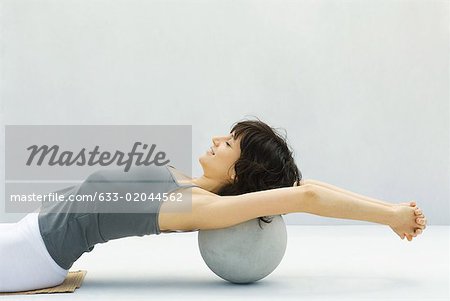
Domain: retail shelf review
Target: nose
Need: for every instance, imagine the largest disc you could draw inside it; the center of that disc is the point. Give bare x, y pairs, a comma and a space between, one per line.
216, 140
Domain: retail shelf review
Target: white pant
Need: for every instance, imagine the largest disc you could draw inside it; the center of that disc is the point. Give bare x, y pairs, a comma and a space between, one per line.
25, 263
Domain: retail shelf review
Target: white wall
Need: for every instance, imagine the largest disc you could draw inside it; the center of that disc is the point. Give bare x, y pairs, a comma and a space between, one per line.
362, 87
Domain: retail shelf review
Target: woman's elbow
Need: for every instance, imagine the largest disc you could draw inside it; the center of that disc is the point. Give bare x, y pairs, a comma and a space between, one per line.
309, 196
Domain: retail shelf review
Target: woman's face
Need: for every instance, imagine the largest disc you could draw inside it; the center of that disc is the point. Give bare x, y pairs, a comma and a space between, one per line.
218, 161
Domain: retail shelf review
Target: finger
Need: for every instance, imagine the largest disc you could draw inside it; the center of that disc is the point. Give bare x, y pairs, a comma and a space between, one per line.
420, 221
412, 204
421, 227
418, 211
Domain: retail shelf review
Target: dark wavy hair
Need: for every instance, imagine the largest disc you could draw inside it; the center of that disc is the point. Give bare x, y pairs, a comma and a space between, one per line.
266, 161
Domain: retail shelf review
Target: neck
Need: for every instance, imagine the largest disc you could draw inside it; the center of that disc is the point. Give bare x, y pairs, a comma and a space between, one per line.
207, 184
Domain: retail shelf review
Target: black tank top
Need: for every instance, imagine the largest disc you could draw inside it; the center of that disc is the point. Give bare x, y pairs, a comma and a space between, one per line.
67, 235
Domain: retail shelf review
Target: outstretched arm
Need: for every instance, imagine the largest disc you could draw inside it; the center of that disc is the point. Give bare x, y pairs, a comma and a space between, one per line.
309, 198
342, 204
366, 198
214, 212
350, 193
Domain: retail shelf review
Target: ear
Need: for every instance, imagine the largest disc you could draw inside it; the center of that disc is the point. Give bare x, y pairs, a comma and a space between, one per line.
233, 176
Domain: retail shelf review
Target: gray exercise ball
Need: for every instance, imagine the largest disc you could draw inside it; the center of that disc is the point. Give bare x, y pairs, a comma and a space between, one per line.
246, 252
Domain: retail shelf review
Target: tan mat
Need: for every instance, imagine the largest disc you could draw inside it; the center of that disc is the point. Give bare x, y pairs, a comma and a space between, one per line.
73, 281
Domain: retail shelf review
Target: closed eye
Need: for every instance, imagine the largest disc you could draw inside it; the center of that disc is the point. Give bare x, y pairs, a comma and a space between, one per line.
228, 144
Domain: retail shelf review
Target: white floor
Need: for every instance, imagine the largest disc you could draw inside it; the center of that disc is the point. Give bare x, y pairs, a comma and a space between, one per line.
321, 263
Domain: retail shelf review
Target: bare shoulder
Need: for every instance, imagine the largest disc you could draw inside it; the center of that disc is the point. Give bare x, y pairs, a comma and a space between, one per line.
200, 191
199, 196
177, 216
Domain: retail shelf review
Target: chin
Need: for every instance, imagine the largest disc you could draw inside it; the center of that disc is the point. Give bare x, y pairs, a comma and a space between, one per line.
203, 157
200, 160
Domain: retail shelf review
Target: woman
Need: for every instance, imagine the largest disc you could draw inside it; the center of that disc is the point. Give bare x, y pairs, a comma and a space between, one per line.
247, 174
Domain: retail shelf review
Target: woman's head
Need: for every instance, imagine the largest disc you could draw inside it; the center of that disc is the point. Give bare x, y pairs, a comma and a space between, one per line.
258, 158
